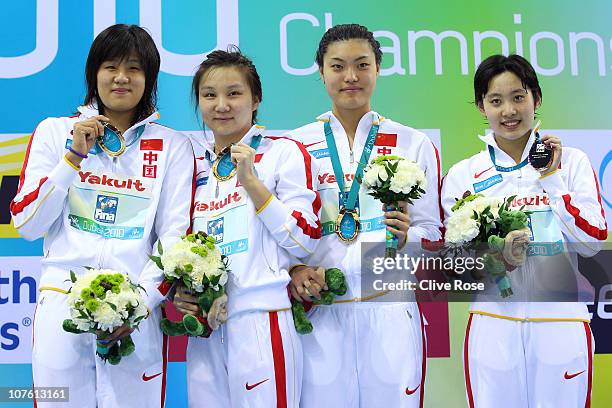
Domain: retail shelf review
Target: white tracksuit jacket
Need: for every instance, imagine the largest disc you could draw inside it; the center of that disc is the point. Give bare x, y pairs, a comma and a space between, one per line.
111, 213
393, 138
567, 213
259, 243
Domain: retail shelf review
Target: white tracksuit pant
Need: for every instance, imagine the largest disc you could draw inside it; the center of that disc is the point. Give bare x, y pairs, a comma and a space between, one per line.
253, 360
62, 359
527, 364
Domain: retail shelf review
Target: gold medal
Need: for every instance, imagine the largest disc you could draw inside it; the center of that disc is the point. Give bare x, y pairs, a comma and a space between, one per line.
112, 141
223, 169
348, 225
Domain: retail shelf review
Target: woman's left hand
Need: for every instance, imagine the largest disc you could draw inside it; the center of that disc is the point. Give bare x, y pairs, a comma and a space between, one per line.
115, 336
555, 144
398, 222
243, 156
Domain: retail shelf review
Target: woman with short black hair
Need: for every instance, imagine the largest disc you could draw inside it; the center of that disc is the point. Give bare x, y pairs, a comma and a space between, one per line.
103, 187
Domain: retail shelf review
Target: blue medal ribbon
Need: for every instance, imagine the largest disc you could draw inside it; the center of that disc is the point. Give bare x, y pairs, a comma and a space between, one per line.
348, 223
506, 169
225, 167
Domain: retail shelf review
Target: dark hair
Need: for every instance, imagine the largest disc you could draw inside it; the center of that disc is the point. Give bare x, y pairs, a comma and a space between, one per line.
345, 32
118, 42
497, 64
233, 57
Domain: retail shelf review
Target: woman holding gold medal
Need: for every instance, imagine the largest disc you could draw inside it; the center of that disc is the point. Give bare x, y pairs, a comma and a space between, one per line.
534, 349
255, 196
363, 351
98, 185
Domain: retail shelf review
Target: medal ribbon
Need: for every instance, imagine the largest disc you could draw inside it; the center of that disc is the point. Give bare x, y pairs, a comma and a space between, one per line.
349, 203
255, 141
506, 169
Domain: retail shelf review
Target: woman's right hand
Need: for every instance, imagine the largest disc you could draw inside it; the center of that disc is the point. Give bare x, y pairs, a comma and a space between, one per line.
84, 135
187, 303
307, 282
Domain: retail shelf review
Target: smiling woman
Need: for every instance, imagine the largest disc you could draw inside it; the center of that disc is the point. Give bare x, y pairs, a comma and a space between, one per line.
343, 141
257, 199
97, 186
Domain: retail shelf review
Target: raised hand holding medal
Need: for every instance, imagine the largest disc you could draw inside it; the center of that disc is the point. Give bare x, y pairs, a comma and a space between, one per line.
545, 152
243, 157
84, 135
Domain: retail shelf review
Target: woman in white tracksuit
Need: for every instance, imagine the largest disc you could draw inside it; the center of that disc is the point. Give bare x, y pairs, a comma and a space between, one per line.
260, 213
365, 350
531, 349
105, 209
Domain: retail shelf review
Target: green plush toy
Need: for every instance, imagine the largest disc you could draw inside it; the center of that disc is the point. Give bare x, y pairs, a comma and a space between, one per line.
213, 303
336, 286
512, 230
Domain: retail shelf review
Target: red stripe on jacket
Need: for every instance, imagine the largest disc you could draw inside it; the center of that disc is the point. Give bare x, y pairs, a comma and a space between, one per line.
591, 230
311, 231
17, 207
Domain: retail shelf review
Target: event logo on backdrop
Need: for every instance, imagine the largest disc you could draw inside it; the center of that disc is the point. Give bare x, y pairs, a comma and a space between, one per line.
18, 295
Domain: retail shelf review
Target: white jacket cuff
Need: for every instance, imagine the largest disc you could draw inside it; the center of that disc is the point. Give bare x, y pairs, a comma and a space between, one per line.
63, 175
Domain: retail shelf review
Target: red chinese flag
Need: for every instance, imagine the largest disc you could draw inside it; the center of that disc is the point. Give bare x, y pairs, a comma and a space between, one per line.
386, 139
152, 144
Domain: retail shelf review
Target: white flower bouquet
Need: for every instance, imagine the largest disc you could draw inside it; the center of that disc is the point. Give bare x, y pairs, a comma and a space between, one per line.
101, 301
392, 179
196, 263
478, 221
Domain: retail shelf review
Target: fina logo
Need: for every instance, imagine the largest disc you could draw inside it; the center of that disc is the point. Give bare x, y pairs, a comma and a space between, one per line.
106, 209
104, 15
602, 170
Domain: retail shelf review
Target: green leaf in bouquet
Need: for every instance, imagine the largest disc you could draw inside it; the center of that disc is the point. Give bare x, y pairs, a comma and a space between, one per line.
126, 346
139, 319
157, 261
160, 248
83, 315
214, 280
112, 306
205, 281
205, 300
188, 268
114, 355
73, 277
186, 281
69, 326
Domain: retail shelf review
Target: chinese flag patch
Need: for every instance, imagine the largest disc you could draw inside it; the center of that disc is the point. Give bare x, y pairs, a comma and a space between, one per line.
386, 139
152, 144
258, 158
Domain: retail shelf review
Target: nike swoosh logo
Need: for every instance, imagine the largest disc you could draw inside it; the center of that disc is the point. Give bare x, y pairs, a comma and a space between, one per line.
410, 392
312, 144
250, 387
476, 175
570, 376
145, 377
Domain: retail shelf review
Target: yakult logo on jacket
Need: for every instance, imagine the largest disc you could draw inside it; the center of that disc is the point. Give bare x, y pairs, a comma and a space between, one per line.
535, 200
329, 178
114, 182
214, 205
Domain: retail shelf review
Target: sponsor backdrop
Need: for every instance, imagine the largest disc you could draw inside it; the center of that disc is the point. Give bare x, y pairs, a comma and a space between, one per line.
431, 51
